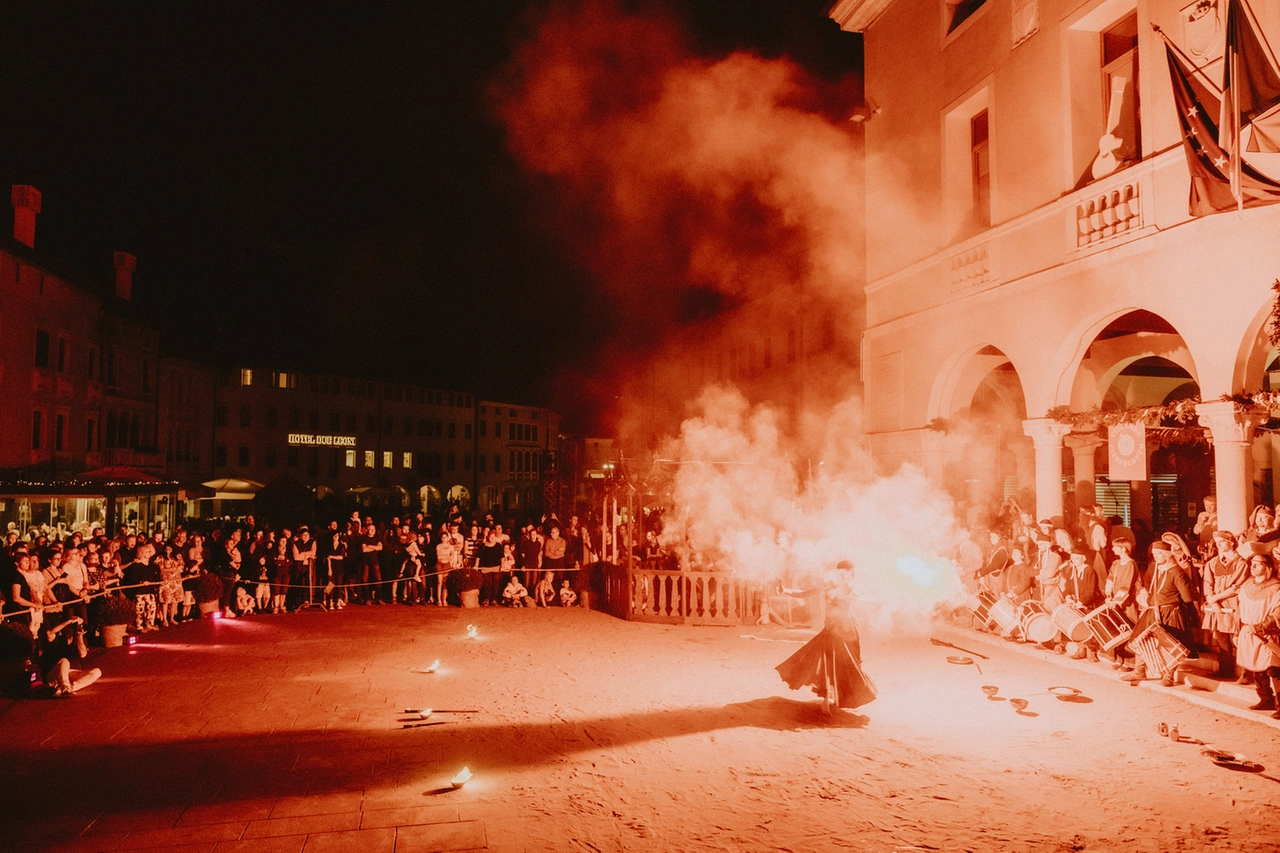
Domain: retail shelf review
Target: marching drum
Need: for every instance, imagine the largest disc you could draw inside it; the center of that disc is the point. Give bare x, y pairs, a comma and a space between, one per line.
1109, 625
1157, 648
1004, 614
981, 607
1036, 622
1070, 621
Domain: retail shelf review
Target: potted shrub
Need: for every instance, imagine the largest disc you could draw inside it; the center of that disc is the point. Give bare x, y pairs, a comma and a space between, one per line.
116, 615
208, 591
469, 583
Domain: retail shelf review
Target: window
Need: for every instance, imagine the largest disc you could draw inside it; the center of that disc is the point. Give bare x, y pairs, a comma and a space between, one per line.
484, 426
223, 414
295, 418
351, 421
220, 456
269, 456
406, 460
90, 427
481, 462
534, 437
959, 11
351, 459
62, 354
368, 459
146, 377
452, 462
497, 463
313, 463
42, 348
246, 416
370, 424
93, 364
313, 421
335, 422
273, 416
980, 158
1121, 142
453, 429
386, 426
242, 456
111, 368
59, 432
386, 459
422, 428
511, 432
466, 430
466, 462
408, 426
246, 376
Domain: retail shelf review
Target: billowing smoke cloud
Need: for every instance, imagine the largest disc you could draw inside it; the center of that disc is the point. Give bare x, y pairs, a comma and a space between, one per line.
686, 185
720, 198
742, 505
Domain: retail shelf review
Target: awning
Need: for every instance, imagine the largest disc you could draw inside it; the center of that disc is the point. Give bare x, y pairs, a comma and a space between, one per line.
232, 489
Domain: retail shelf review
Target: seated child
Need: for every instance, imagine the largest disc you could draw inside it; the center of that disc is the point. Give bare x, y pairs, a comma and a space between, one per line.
568, 597
545, 592
515, 595
245, 603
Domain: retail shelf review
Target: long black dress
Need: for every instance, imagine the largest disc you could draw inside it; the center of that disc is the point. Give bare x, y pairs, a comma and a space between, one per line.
832, 659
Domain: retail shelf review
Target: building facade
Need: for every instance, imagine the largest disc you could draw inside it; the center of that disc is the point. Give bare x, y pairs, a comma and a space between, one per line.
1031, 255
387, 445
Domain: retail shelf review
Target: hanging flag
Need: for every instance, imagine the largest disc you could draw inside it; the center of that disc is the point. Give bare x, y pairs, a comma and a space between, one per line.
1126, 452
1209, 164
1250, 90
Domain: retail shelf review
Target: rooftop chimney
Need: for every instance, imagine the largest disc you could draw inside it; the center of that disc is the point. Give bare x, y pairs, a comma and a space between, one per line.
125, 265
26, 204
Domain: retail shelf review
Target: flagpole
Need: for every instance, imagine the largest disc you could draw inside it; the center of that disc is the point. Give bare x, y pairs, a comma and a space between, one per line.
1198, 70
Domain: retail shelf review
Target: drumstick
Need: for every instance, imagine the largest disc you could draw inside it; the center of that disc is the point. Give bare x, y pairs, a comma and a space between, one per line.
938, 642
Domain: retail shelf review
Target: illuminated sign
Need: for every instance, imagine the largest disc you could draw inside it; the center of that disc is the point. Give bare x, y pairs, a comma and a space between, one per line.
322, 440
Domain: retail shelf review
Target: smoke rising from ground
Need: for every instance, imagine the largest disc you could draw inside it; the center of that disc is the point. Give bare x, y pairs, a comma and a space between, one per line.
743, 505
718, 201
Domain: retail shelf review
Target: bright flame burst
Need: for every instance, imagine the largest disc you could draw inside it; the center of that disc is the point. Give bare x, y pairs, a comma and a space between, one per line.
742, 504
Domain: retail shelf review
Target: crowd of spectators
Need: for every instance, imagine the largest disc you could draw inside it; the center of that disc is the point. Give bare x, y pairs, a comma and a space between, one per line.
59, 594
1211, 607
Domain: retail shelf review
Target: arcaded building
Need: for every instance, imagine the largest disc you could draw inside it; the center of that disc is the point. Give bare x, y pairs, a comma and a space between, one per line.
1032, 256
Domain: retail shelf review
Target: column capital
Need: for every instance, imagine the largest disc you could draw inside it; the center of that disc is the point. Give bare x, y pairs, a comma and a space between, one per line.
1228, 421
1045, 431
1080, 441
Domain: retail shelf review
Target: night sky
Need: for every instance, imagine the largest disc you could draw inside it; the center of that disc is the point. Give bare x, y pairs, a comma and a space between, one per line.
324, 186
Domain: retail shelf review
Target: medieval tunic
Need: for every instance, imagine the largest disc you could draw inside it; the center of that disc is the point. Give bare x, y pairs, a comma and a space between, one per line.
1220, 576
1257, 602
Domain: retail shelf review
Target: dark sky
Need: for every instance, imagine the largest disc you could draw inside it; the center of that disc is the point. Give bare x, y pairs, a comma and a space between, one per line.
322, 186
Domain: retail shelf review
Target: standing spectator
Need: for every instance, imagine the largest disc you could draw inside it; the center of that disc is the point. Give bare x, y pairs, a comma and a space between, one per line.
1207, 525
1224, 574
554, 551
371, 564
446, 552
529, 554
304, 565
171, 567
283, 568
490, 560
143, 580
333, 553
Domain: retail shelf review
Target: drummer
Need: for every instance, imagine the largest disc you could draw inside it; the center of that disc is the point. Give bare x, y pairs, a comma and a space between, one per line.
1048, 577
1081, 590
1124, 589
1019, 577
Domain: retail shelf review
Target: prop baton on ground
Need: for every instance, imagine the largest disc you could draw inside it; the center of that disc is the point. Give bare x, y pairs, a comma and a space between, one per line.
938, 642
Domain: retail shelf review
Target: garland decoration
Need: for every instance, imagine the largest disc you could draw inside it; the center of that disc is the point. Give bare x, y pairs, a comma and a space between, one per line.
1273, 324
1179, 411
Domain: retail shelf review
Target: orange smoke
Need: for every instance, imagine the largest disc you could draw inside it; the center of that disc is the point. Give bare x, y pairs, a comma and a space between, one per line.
687, 186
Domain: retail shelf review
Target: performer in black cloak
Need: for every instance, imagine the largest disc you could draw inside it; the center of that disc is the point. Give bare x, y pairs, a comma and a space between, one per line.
831, 663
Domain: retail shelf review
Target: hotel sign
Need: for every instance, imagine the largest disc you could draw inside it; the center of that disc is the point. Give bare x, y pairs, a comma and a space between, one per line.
322, 440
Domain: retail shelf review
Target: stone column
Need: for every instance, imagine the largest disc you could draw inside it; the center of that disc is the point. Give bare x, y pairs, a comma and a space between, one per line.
1082, 453
1232, 428
1047, 435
